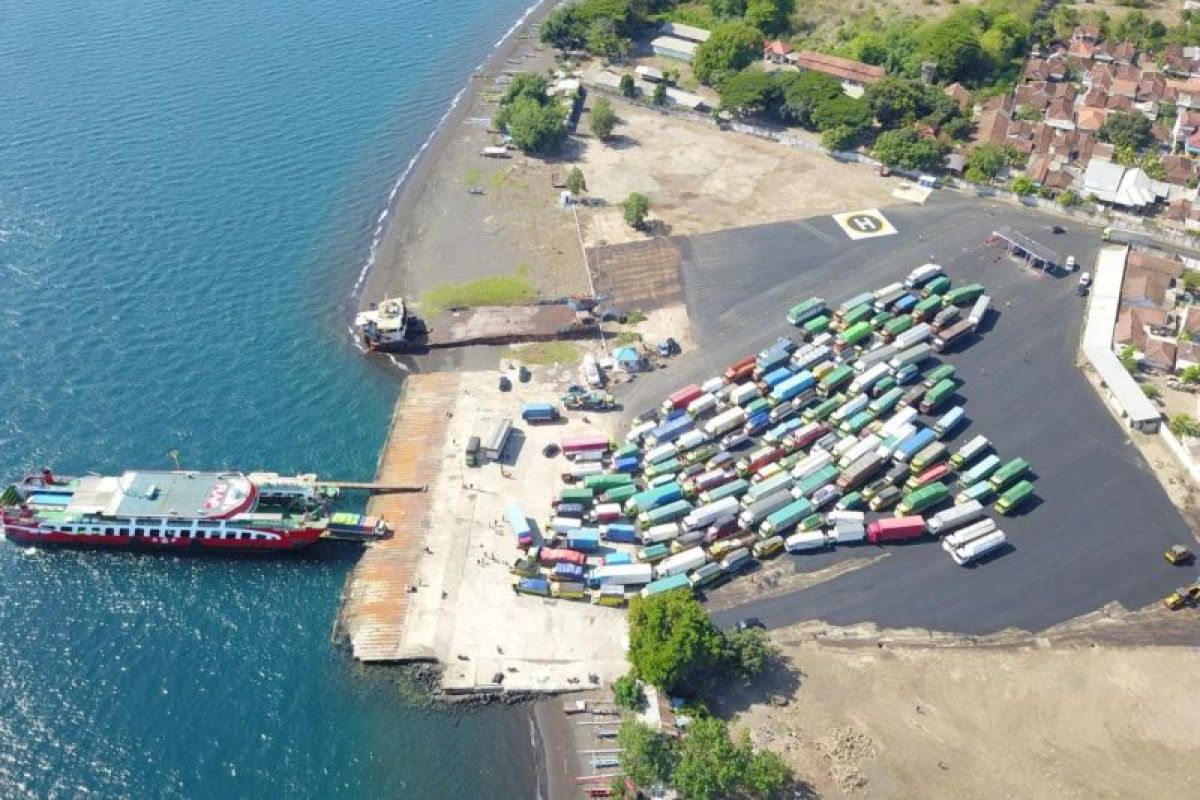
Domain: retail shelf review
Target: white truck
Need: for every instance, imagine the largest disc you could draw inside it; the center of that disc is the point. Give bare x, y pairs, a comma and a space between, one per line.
705, 515
621, 575
724, 422
977, 548
805, 541
681, 563
954, 517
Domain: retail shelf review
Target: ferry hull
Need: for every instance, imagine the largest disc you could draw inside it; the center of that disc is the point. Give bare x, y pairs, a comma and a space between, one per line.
288, 541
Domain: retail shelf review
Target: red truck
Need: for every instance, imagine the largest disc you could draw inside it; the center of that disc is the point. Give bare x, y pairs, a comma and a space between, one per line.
739, 371
549, 556
681, 398
896, 529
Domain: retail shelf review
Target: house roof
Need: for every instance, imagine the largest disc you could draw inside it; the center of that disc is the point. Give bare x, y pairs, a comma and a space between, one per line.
1142, 261
844, 68
1132, 322
1125, 51
682, 31
1124, 87
1160, 352
1036, 69
1179, 210
1091, 119
778, 48
1191, 320
1095, 98
1145, 288
1059, 179
959, 94
1060, 110
1178, 169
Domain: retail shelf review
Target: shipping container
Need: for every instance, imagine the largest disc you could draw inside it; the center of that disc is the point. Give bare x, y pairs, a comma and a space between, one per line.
759, 458
764, 488
876, 355
565, 525
681, 398
770, 360
913, 336
671, 512
668, 467
938, 472
946, 423
670, 430
610, 595
620, 532
936, 397
567, 572
867, 378
666, 585
577, 494
539, 412
690, 440
534, 586
737, 367
549, 556
868, 443
744, 393
823, 409
639, 431
810, 484
835, 380
979, 310
956, 516
653, 553
609, 480
810, 356
965, 534
923, 498
1014, 497
725, 421
913, 445
964, 295
849, 408
895, 529
582, 444
1008, 473
780, 432
806, 541
607, 512
977, 548
706, 514
660, 533
792, 387
947, 338
857, 423
922, 275
680, 563
652, 498
585, 539
519, 523
702, 406
880, 319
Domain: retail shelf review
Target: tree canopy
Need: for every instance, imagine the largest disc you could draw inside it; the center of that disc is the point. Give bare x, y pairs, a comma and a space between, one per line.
906, 148
647, 756
712, 766
749, 91
770, 16
803, 91
635, 209
672, 642
1127, 129
731, 47
603, 118
535, 121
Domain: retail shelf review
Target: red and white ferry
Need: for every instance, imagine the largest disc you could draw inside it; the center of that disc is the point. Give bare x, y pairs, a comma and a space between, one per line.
166, 510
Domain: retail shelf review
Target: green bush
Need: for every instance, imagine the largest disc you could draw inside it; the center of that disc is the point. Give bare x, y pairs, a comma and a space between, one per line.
628, 694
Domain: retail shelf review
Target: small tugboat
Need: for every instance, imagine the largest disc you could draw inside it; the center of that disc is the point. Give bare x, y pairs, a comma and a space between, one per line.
384, 326
168, 510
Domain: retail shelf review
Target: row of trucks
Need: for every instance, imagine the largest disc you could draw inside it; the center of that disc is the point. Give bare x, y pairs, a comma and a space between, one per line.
790, 449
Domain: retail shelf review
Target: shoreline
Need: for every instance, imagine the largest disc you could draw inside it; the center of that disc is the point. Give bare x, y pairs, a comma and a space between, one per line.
397, 215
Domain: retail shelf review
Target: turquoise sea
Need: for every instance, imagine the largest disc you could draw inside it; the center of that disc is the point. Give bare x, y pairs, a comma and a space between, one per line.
188, 193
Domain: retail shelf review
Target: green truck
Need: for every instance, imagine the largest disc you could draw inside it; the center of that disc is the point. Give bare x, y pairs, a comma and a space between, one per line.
1014, 497
925, 309
939, 285
803, 312
835, 380
852, 335
923, 498
816, 326
823, 409
937, 396
964, 295
862, 313
1008, 473
894, 327
939, 373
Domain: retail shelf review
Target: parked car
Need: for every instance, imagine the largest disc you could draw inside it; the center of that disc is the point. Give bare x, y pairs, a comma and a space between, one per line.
1085, 282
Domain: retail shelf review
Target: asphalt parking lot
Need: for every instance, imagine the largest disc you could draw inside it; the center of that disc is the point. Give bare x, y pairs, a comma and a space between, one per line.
1100, 522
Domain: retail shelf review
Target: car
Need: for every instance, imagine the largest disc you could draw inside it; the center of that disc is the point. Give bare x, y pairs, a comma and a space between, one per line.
523, 374
505, 384
551, 450
747, 623
1057, 229
1072, 264
1085, 281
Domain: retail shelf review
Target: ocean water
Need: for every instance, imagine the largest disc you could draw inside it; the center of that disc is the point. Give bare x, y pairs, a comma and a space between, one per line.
188, 193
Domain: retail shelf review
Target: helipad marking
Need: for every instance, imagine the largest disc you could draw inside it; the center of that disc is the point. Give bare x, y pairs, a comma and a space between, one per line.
864, 224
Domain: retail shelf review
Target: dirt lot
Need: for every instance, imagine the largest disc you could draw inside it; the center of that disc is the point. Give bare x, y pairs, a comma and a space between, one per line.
1056, 716
700, 179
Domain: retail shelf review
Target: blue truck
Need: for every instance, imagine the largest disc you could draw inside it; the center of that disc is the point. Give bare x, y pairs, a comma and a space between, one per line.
539, 412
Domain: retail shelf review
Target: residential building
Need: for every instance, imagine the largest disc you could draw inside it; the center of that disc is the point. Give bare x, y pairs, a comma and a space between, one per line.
855, 76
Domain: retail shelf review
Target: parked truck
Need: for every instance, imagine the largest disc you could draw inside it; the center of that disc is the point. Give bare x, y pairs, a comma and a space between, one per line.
913, 445
860, 471
954, 517
802, 312
896, 326
680, 563
1008, 473
922, 275
835, 380
964, 295
925, 309
944, 318
664, 585
976, 548
946, 423
979, 310
937, 396
671, 512
1014, 497
911, 356
896, 529
969, 452
706, 514
760, 510
785, 518
952, 335
925, 497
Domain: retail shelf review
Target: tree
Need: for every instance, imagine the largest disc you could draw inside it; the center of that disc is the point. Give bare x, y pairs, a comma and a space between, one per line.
766, 774
749, 91
1184, 425
526, 84
576, 184
985, 162
628, 694
636, 207
1126, 129
843, 111
894, 101
1069, 199
727, 9
1152, 165
954, 46
907, 149
1190, 375
747, 652
603, 118
659, 96
770, 16
731, 47
647, 756
1129, 359
803, 91
534, 127
838, 138
1151, 391
1022, 186
712, 766
562, 28
627, 86
603, 39
672, 642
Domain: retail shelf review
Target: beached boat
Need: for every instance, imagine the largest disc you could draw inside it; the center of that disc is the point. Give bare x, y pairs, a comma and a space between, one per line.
384, 326
166, 510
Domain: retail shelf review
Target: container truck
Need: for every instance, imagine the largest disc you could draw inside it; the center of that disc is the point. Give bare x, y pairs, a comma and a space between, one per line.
886, 498
585, 540
567, 572
1008, 473
968, 533
823, 409
735, 488
702, 406
922, 275
701, 455
912, 337
706, 514
671, 512
761, 509
773, 378
849, 408
785, 518
976, 548
851, 502
771, 359
1014, 497
835, 380
969, 452
821, 477
768, 547
947, 338
620, 532
705, 575
756, 423
923, 498
887, 401
898, 421
565, 525
736, 560
519, 523
610, 596
621, 575
887, 295
939, 373
666, 585
534, 586
866, 298
896, 529
794, 386
567, 590
867, 378
857, 423
906, 303
740, 369
758, 406
938, 286
981, 471
964, 295
583, 444
810, 356
977, 491
804, 436
639, 431
652, 498
776, 483
811, 522
539, 412
928, 455
859, 472
867, 444
758, 458
938, 472
605, 481
944, 318
927, 308
912, 396
912, 356
859, 315
913, 445
679, 399
709, 479
577, 494
806, 541
876, 355
802, 312
549, 556
780, 432
979, 310
725, 421
653, 553
881, 319
954, 517
660, 468
606, 512
689, 440
817, 460
680, 563
816, 326
948, 422
895, 327
744, 393
827, 494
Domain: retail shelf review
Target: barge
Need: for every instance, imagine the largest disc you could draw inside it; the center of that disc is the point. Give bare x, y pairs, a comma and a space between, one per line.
389, 328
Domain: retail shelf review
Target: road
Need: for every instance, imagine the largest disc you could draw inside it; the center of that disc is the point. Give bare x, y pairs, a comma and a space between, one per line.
1100, 522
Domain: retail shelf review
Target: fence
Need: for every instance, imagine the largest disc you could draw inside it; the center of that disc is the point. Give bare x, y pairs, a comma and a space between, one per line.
1181, 453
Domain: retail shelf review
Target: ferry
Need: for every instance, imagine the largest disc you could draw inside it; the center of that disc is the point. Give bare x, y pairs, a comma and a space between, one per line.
384, 326
167, 510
